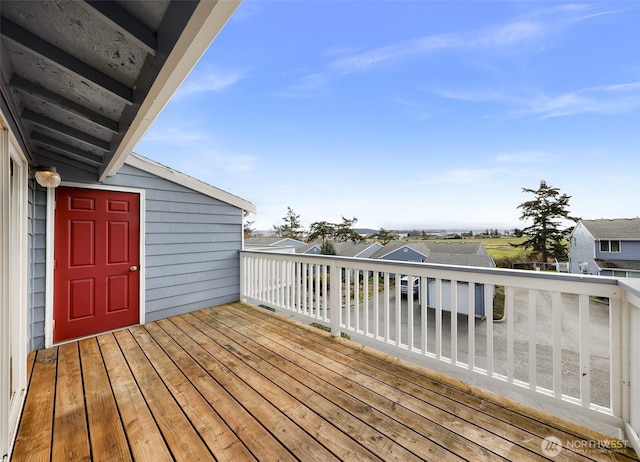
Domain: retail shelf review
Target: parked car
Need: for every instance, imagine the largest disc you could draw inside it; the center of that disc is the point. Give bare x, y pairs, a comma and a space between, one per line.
404, 285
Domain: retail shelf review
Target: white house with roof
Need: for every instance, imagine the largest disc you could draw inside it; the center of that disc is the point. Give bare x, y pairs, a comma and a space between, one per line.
606, 247
274, 244
472, 254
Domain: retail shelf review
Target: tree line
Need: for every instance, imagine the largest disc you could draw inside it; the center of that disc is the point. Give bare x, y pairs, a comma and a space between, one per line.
546, 236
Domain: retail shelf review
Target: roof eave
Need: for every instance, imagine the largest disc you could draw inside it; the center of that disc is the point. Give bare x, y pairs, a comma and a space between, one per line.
204, 25
162, 171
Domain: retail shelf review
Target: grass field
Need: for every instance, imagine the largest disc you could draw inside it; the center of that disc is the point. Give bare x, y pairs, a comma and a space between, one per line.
500, 248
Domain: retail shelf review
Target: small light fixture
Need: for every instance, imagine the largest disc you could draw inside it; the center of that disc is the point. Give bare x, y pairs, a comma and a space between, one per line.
47, 176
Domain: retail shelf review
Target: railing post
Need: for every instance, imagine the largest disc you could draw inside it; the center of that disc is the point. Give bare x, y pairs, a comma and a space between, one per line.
243, 276
335, 295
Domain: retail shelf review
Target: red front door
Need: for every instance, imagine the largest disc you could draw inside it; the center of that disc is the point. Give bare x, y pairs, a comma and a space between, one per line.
97, 252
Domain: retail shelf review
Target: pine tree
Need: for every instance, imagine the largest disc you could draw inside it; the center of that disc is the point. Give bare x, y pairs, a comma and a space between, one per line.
546, 238
290, 227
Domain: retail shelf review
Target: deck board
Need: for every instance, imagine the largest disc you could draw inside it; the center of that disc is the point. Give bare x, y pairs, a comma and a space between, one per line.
137, 420
33, 441
70, 432
106, 433
236, 383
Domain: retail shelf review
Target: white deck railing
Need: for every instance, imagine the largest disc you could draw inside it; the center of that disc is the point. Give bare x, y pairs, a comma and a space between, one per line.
567, 342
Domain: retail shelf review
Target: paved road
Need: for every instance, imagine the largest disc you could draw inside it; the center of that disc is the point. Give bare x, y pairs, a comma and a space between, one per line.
598, 341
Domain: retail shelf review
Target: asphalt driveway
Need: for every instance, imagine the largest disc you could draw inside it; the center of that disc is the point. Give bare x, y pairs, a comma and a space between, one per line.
598, 340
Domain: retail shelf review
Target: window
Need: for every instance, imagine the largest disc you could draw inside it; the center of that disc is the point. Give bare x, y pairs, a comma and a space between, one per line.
609, 246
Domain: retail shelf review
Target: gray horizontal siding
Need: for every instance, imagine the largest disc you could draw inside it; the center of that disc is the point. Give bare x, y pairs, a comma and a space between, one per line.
171, 238
36, 217
192, 245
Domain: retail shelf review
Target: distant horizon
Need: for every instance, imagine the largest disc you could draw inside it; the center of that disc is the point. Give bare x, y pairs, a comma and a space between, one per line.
426, 230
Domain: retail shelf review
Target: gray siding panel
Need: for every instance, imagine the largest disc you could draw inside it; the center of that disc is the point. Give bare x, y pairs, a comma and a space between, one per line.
37, 213
629, 250
192, 246
405, 254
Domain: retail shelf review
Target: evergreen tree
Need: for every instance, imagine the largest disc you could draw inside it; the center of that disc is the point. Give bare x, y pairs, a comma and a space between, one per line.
327, 248
290, 227
322, 230
384, 236
345, 231
546, 238
248, 229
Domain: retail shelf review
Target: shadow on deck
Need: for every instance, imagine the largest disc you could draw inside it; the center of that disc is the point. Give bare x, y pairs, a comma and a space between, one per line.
236, 382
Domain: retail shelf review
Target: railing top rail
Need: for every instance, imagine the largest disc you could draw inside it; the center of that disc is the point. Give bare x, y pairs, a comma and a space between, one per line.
387, 265
632, 288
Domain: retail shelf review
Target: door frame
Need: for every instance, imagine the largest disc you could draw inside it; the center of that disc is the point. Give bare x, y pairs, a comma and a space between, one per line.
50, 242
13, 282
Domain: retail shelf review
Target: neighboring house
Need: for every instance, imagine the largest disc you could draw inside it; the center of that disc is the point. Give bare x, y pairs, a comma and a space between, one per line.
403, 251
356, 249
123, 240
606, 247
420, 251
343, 249
313, 248
461, 259
258, 242
482, 261
469, 254
457, 246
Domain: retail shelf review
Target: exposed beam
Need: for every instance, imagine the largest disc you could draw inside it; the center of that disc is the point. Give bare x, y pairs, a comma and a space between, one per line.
59, 57
38, 91
9, 108
196, 33
63, 129
126, 23
47, 157
67, 150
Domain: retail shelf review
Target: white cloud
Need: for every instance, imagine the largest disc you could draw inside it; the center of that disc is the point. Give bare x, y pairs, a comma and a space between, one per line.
524, 157
209, 81
513, 33
174, 136
202, 160
369, 59
604, 100
530, 28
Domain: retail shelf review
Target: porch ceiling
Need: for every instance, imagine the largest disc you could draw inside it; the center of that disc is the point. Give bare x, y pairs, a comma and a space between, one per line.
82, 80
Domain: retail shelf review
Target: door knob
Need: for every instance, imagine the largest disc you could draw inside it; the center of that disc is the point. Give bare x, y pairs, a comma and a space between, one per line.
133, 268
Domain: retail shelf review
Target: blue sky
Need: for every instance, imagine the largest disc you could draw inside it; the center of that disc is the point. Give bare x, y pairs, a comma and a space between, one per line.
413, 114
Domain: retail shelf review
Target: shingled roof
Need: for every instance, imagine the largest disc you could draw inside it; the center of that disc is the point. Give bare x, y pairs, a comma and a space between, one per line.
615, 228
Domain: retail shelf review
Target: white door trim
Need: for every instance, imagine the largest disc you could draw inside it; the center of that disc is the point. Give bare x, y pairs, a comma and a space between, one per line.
13, 285
50, 240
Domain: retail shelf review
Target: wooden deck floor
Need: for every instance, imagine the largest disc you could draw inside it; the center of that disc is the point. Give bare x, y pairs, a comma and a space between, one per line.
239, 383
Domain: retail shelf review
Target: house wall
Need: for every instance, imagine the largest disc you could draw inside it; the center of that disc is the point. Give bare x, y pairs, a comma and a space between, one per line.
192, 245
37, 211
462, 289
370, 251
581, 250
404, 254
629, 250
